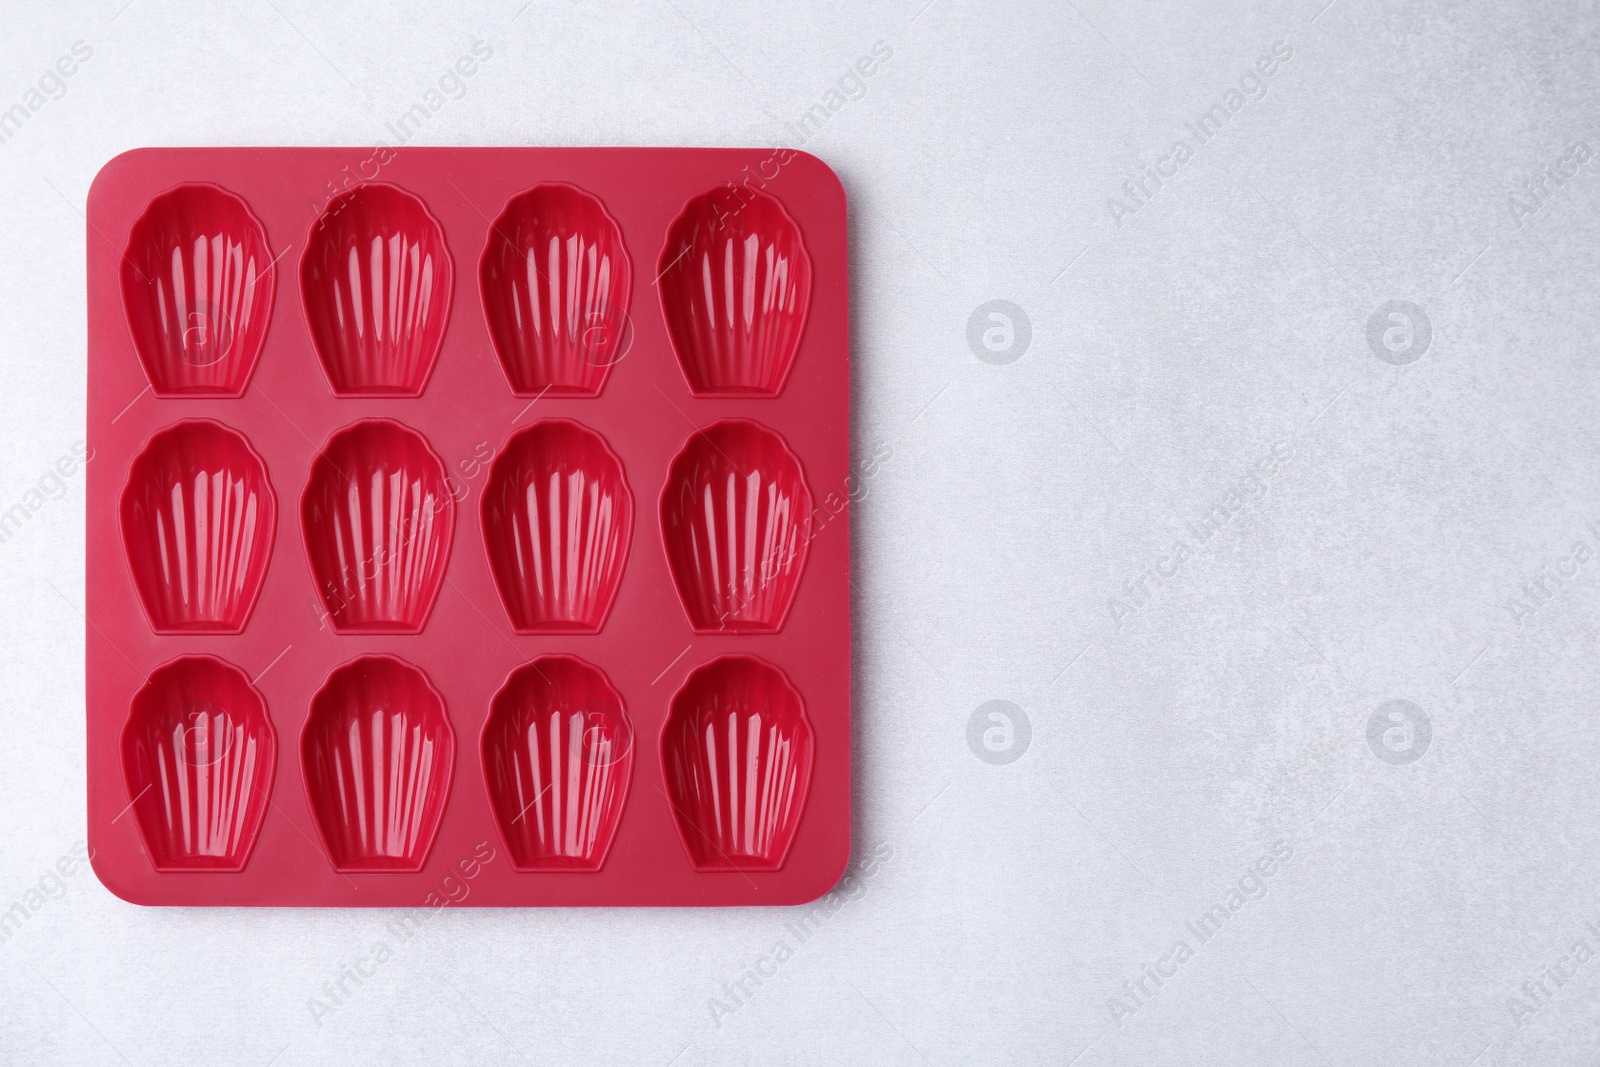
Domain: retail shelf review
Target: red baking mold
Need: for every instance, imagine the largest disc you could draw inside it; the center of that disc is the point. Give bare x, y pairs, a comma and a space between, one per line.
556, 282
542, 579
198, 519
735, 281
378, 753
558, 758
197, 286
198, 755
734, 517
557, 522
378, 518
377, 279
736, 752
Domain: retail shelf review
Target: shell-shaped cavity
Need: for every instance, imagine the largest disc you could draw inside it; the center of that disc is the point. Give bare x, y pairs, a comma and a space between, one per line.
557, 758
378, 517
735, 522
198, 521
377, 279
378, 754
736, 755
197, 287
557, 523
735, 281
199, 754
556, 282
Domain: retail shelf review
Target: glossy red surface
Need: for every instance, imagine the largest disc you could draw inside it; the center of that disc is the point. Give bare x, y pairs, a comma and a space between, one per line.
378, 517
556, 280
733, 520
736, 754
527, 635
557, 522
736, 291
378, 754
377, 280
198, 283
557, 759
197, 754
198, 521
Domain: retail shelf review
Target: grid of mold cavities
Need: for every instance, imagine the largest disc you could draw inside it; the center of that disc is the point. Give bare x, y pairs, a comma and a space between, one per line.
381, 517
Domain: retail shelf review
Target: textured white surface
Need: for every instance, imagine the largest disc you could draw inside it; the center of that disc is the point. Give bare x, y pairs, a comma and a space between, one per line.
1169, 355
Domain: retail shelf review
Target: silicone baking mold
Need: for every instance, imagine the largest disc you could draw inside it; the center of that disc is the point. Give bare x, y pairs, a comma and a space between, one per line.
556, 280
377, 516
377, 280
736, 288
378, 753
557, 522
198, 753
462, 527
733, 514
197, 286
737, 753
557, 758
198, 518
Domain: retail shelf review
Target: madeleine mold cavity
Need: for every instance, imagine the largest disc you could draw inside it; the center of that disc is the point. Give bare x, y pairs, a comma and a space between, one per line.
736, 754
197, 285
198, 522
558, 759
378, 755
557, 523
198, 755
556, 282
735, 283
733, 520
539, 572
377, 280
378, 518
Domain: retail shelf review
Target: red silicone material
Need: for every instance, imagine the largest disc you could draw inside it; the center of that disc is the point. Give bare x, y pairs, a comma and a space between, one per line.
464, 527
